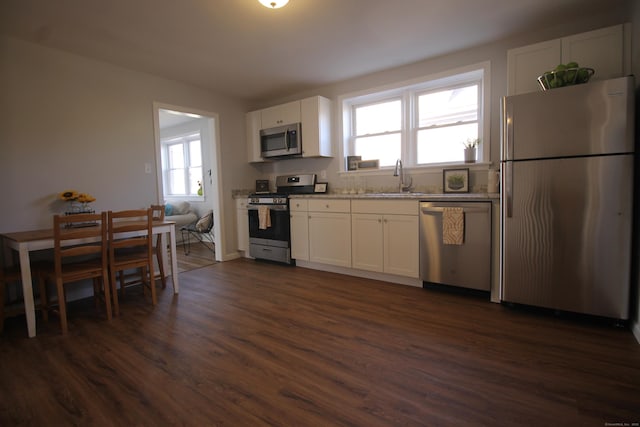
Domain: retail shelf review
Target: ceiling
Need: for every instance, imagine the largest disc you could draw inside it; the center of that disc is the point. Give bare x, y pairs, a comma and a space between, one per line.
242, 49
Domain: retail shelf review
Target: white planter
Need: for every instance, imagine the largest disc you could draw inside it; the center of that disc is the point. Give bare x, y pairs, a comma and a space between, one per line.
470, 155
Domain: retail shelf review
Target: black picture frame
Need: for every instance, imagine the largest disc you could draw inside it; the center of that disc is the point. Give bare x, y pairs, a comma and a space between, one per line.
320, 187
455, 180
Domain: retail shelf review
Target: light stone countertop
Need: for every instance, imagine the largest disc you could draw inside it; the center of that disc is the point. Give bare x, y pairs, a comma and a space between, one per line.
401, 196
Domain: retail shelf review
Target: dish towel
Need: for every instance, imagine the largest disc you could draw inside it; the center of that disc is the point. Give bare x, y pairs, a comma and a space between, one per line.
264, 217
452, 226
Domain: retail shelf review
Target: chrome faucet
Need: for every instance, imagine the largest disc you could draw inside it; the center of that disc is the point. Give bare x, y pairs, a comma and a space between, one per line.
399, 171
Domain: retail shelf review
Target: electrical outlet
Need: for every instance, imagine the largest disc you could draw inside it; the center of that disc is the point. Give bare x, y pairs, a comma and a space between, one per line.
147, 168
323, 174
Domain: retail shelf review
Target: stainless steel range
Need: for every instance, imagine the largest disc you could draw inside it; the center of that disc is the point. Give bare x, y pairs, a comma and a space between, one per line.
269, 220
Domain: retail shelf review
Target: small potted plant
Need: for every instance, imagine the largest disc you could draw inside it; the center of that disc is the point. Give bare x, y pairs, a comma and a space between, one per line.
470, 149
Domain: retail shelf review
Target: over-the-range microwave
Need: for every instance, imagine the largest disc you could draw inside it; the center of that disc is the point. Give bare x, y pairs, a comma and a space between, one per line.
281, 141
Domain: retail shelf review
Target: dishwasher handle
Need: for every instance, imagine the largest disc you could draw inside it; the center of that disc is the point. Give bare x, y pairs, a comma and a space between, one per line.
465, 209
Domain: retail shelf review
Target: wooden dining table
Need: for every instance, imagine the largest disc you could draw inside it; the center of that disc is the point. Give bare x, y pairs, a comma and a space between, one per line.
25, 242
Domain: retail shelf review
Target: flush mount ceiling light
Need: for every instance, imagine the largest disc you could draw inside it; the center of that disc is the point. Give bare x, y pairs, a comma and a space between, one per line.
273, 4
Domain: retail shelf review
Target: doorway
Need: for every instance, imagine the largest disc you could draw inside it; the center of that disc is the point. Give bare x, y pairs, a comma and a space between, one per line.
182, 120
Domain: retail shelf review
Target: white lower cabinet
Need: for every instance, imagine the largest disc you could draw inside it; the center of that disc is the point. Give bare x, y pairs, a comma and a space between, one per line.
299, 226
385, 238
242, 225
330, 232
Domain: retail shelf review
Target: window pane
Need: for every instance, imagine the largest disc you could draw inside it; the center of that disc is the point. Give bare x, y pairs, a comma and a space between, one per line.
195, 155
176, 156
386, 148
448, 107
176, 182
444, 144
378, 118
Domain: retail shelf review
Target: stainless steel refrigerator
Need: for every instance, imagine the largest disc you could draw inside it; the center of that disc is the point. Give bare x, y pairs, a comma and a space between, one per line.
567, 196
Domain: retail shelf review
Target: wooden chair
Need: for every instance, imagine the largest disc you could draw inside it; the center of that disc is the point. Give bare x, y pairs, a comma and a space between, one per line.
10, 275
79, 253
131, 248
157, 212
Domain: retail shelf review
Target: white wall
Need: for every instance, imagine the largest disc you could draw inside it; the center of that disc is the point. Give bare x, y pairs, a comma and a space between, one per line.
69, 122
495, 52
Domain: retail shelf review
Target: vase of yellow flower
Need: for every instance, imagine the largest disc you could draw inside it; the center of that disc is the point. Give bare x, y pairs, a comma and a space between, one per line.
77, 202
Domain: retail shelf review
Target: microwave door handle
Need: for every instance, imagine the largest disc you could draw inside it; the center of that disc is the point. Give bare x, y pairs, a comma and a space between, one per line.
286, 139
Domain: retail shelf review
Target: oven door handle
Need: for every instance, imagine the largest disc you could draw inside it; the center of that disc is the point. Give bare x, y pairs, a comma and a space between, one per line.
271, 207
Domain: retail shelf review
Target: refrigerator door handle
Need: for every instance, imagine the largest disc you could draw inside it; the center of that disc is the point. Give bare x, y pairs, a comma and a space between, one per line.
507, 130
508, 188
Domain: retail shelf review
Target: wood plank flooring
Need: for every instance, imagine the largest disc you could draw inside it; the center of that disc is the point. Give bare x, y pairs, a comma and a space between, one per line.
250, 343
199, 256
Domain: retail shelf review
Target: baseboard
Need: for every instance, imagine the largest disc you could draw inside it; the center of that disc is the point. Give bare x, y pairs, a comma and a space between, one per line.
392, 278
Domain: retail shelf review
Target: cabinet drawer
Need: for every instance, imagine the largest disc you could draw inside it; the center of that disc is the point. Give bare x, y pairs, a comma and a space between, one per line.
396, 207
298, 205
330, 205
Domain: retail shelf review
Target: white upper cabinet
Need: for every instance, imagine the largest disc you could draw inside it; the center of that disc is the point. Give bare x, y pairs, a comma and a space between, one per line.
313, 113
253, 123
526, 63
603, 50
607, 51
316, 127
280, 115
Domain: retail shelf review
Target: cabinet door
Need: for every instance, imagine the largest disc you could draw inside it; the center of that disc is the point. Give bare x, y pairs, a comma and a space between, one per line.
526, 63
242, 225
602, 50
300, 235
253, 123
367, 242
315, 113
330, 238
401, 245
279, 115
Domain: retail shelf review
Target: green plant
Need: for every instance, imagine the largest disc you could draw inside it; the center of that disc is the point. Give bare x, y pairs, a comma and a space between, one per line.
471, 143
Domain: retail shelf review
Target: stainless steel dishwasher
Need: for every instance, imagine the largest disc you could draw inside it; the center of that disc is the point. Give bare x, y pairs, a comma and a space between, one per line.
466, 265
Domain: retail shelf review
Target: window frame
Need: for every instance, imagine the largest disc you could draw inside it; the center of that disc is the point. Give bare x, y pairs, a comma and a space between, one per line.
409, 91
185, 138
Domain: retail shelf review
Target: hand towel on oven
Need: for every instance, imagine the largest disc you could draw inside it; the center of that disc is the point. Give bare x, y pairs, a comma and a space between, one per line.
452, 226
264, 217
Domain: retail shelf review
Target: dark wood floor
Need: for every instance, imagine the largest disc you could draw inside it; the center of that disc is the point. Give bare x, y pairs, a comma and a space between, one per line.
198, 255
249, 343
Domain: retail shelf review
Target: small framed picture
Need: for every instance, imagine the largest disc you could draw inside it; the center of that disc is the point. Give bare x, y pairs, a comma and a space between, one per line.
455, 180
352, 162
321, 187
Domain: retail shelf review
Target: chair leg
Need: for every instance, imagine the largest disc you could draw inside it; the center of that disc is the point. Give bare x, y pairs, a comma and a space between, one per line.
114, 292
163, 280
44, 297
152, 287
104, 281
122, 283
186, 246
62, 306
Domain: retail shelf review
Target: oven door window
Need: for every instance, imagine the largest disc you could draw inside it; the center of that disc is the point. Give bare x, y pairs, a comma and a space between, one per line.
279, 229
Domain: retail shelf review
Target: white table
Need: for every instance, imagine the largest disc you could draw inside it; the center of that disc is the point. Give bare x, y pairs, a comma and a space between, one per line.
25, 242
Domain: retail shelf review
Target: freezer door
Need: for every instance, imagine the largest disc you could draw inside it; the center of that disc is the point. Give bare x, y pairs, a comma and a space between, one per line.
566, 238
593, 118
